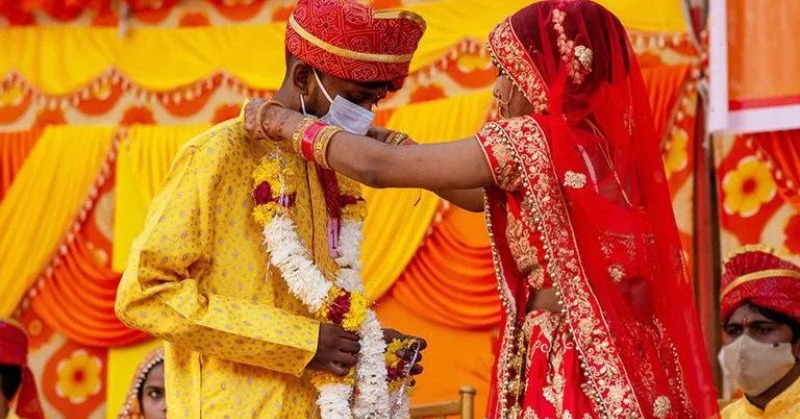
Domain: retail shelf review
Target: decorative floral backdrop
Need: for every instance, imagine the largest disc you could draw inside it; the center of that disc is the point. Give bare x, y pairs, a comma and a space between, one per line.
67, 281
758, 177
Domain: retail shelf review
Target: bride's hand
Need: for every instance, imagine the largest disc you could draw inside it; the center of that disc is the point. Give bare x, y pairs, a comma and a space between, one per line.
250, 119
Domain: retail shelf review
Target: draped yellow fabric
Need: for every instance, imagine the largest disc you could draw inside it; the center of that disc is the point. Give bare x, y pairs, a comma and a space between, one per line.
81, 54
395, 226
43, 201
144, 158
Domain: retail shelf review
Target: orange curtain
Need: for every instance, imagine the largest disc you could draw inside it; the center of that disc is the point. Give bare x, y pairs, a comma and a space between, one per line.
78, 301
14, 149
77, 297
451, 279
782, 150
664, 84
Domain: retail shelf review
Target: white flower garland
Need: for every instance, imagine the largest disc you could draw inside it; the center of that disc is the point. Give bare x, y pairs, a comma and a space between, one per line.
310, 286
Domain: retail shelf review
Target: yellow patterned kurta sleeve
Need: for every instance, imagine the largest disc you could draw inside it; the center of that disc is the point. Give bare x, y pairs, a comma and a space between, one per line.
172, 287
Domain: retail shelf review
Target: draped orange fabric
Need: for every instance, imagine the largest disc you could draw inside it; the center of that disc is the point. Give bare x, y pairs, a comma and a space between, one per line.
14, 149
782, 149
664, 84
78, 297
451, 279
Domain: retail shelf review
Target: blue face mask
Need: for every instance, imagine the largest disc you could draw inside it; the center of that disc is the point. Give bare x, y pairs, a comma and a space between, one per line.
345, 114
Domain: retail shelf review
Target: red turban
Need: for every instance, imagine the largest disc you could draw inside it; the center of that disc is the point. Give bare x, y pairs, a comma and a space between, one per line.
14, 351
758, 275
352, 41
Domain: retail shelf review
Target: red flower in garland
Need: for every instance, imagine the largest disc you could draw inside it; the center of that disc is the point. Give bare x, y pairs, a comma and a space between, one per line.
397, 372
263, 193
339, 307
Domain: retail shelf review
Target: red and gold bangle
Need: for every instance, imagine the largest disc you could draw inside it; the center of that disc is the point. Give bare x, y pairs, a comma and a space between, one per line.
309, 136
297, 137
321, 145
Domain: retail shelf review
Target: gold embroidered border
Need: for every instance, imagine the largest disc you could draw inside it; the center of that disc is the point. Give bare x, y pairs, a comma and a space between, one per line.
510, 55
591, 332
509, 304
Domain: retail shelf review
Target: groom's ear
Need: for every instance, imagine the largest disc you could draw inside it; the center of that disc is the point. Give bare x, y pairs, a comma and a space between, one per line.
301, 76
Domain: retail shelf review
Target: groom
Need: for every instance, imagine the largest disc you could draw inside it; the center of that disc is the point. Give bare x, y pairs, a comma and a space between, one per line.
238, 342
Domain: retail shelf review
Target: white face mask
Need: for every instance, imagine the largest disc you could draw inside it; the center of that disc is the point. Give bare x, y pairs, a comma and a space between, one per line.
345, 114
757, 366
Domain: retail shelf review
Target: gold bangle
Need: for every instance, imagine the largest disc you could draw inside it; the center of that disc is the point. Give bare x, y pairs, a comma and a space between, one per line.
396, 138
390, 139
297, 136
321, 144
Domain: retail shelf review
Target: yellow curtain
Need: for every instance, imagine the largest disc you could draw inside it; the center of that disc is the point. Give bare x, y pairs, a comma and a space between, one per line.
396, 226
82, 54
143, 160
43, 201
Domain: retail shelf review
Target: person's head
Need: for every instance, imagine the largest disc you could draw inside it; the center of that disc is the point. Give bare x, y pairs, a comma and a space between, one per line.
10, 380
554, 55
763, 325
317, 90
151, 393
760, 309
346, 48
16, 378
146, 397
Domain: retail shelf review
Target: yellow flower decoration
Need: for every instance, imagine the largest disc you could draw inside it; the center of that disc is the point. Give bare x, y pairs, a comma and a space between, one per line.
78, 376
279, 172
358, 312
355, 315
392, 361
350, 187
357, 211
263, 214
748, 187
319, 378
676, 157
391, 351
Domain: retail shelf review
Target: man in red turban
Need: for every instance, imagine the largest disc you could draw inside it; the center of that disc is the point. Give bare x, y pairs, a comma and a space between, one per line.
760, 311
16, 378
241, 339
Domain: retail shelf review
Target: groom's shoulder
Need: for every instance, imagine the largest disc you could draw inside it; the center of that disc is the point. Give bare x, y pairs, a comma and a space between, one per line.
219, 143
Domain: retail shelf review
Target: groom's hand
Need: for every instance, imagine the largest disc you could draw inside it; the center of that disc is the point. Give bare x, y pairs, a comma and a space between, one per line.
407, 354
337, 350
379, 133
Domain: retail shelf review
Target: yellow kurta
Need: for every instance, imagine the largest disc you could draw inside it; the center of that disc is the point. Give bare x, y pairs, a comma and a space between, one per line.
785, 406
198, 277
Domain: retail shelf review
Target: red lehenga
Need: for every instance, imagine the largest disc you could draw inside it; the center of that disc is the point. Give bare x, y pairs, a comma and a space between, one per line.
580, 204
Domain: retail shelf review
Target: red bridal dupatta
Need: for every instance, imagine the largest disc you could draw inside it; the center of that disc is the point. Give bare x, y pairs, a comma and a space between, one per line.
581, 205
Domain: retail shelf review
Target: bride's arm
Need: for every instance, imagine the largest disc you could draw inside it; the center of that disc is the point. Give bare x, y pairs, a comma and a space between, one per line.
455, 165
468, 199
